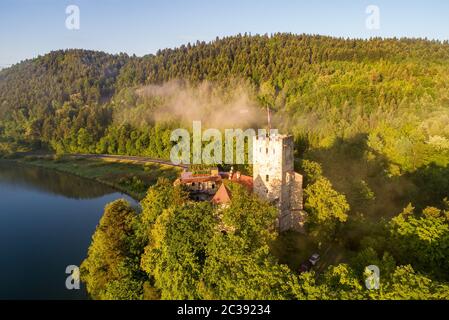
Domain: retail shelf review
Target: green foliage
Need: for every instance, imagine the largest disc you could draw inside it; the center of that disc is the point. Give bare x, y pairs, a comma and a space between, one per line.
134, 184
311, 170
342, 283
368, 256
190, 258
406, 284
176, 253
326, 207
325, 203
249, 218
422, 240
234, 271
239, 264
160, 197
321, 88
111, 270
176, 249
405, 147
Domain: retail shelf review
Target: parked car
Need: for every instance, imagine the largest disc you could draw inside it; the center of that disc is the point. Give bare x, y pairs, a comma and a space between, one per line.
305, 267
309, 264
314, 259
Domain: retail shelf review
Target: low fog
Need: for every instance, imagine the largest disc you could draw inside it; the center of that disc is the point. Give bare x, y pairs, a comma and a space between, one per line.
216, 106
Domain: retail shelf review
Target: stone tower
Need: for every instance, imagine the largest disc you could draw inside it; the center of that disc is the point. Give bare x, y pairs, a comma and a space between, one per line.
275, 179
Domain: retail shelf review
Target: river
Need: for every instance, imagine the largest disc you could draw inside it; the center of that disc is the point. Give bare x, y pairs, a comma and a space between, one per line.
47, 220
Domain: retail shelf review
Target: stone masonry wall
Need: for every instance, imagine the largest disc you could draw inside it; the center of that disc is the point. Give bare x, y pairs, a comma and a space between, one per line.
275, 179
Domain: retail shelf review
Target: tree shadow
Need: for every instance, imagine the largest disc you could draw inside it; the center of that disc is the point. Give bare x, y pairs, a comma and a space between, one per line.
361, 174
432, 185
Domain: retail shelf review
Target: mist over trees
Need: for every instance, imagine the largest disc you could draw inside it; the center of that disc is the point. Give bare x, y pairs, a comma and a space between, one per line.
321, 88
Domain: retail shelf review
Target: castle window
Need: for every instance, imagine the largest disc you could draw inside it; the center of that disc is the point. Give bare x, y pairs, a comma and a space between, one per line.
267, 178
213, 186
193, 184
267, 150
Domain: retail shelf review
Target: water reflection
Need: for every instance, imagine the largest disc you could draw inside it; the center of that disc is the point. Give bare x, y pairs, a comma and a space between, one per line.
36, 178
47, 220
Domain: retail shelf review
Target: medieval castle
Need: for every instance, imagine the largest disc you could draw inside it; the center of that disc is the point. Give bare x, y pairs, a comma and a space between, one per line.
274, 180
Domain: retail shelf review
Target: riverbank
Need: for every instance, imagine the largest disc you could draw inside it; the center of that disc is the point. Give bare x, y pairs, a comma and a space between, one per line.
126, 176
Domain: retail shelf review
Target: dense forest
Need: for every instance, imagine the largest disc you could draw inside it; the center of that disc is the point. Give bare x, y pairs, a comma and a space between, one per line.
176, 249
370, 120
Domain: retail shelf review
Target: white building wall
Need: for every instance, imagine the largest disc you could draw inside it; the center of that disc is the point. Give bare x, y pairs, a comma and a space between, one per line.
273, 159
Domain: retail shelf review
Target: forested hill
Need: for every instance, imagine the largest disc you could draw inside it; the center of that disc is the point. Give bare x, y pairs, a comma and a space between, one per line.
279, 59
44, 82
321, 88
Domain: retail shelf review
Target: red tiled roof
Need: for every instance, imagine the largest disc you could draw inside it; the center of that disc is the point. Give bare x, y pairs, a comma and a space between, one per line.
222, 196
188, 177
245, 181
201, 179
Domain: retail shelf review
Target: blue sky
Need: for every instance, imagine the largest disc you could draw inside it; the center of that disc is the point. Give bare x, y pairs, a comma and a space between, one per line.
32, 27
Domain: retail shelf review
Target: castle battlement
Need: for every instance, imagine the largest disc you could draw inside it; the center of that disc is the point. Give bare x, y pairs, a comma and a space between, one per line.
275, 136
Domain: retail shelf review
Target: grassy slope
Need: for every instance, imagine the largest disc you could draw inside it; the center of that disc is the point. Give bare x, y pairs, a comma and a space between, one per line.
130, 178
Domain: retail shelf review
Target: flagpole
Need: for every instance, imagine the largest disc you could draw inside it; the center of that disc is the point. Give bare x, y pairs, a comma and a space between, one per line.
269, 119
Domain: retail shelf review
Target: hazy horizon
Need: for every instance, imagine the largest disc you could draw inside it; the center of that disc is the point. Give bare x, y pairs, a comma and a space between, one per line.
32, 28
209, 41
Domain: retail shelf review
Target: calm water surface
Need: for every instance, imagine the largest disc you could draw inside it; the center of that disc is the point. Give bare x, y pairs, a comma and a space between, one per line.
47, 220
